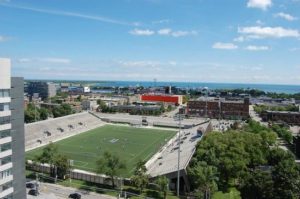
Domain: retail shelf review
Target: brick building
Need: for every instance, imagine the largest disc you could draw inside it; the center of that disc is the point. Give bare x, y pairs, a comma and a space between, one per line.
219, 108
282, 116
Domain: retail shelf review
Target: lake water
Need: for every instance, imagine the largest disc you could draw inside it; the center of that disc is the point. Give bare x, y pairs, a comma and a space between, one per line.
265, 87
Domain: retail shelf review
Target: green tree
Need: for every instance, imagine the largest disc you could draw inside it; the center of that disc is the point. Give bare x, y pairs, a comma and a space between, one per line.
48, 156
140, 179
285, 174
43, 113
204, 179
257, 185
111, 165
62, 110
163, 184
61, 162
30, 116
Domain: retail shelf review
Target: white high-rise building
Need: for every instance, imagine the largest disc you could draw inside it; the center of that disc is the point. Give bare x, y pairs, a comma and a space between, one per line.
12, 163
6, 177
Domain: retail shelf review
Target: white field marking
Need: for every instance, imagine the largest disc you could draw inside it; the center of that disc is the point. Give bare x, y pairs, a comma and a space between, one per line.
82, 164
114, 140
137, 155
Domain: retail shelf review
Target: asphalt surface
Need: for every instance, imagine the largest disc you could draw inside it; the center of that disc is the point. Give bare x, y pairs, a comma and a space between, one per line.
255, 116
53, 191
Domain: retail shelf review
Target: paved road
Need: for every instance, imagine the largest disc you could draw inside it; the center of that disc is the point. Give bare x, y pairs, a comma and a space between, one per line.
255, 116
53, 191
172, 113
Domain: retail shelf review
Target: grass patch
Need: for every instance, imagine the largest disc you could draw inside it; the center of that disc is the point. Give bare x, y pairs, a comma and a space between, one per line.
232, 194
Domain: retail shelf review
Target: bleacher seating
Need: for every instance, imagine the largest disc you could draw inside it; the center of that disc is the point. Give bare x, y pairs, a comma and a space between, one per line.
43, 132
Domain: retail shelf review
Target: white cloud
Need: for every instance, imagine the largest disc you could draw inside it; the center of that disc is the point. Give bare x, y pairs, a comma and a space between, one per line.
181, 33
239, 39
46, 60
257, 48
259, 22
162, 21
3, 38
55, 60
257, 32
261, 4
165, 31
285, 16
294, 49
140, 63
142, 32
24, 60
225, 46
173, 63
256, 68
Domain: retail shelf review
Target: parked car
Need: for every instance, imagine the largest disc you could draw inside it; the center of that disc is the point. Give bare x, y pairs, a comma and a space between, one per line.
33, 192
75, 196
30, 185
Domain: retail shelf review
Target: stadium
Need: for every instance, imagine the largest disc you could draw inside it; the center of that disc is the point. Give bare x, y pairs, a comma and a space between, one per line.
84, 137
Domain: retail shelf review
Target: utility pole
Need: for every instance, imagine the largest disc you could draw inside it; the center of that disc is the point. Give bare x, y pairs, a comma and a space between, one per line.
34, 110
37, 182
220, 114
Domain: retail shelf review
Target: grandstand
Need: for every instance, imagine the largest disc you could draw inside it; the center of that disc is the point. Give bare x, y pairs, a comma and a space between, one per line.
165, 162
43, 132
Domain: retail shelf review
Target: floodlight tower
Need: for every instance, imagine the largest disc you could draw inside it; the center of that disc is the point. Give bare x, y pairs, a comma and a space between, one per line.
178, 118
206, 95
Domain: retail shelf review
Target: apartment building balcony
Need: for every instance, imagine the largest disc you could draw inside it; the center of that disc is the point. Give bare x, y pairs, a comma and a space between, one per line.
6, 166
6, 192
6, 153
6, 180
5, 127
5, 100
5, 113
5, 140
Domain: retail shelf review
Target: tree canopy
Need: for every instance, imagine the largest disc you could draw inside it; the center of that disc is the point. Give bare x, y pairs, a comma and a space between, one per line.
247, 159
110, 165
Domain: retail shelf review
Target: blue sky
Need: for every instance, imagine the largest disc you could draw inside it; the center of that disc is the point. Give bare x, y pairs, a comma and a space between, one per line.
239, 41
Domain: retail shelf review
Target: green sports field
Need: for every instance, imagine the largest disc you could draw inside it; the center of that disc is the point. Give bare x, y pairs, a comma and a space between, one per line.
130, 143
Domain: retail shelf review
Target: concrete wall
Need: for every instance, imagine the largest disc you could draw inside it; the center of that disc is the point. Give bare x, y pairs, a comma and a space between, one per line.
18, 148
79, 175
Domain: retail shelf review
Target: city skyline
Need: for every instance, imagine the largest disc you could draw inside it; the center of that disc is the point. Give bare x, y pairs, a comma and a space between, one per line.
249, 41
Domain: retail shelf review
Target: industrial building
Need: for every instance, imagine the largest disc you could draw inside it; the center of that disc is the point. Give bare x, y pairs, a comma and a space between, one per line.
41, 89
12, 153
292, 118
218, 108
171, 99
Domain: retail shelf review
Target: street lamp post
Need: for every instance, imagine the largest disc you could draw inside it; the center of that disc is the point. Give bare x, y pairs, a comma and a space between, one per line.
178, 118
